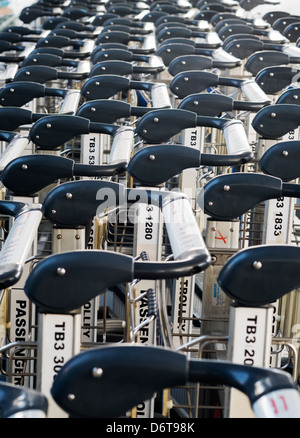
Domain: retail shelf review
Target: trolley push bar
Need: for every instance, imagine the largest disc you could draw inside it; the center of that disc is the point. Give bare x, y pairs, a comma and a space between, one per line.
119, 52
274, 121
158, 126
200, 26
106, 86
16, 247
261, 274
125, 68
31, 13
124, 21
111, 110
55, 23
18, 93
173, 48
44, 73
61, 41
53, 131
213, 105
190, 82
126, 53
114, 36
176, 31
122, 27
49, 59
74, 204
72, 33
198, 62
229, 196
154, 165
65, 54
108, 381
23, 30
27, 174
21, 402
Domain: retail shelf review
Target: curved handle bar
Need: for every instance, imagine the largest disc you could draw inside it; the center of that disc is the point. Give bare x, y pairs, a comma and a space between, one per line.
193, 81
107, 85
43, 74
53, 131
48, 59
123, 68
105, 110
117, 36
128, 28
170, 51
154, 165
69, 289
63, 53
18, 93
212, 105
230, 196
171, 32
122, 370
158, 126
29, 14
65, 23
119, 51
189, 62
200, 62
22, 30
58, 41
111, 110
260, 275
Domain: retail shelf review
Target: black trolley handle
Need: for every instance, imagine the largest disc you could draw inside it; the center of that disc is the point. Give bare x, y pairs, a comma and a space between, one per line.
129, 374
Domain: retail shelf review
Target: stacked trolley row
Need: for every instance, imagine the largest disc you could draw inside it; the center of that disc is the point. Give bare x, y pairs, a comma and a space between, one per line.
149, 222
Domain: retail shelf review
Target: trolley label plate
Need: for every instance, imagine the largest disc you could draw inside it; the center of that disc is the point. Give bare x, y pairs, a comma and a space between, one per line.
56, 350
